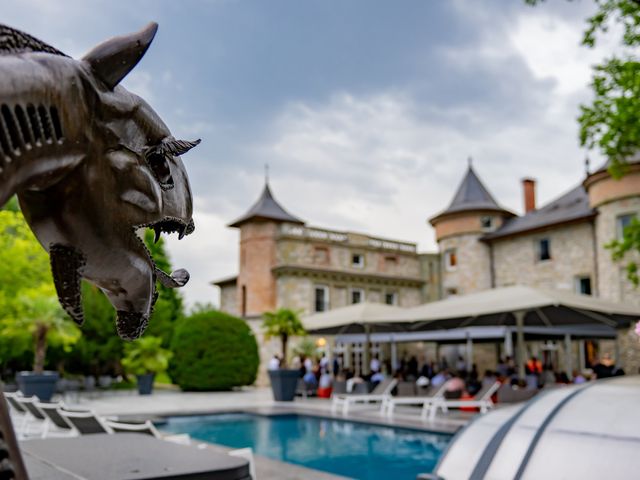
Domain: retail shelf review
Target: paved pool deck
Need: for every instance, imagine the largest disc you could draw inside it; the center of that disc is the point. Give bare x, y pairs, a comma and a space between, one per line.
128, 405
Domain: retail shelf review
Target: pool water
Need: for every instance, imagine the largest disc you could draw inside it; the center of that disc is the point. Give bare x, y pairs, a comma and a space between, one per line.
352, 449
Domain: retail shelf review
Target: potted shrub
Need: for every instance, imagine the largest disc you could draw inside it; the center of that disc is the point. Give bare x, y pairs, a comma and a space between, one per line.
283, 324
145, 358
40, 315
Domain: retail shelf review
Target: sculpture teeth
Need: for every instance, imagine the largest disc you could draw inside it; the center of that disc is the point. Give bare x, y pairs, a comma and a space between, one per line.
158, 231
182, 232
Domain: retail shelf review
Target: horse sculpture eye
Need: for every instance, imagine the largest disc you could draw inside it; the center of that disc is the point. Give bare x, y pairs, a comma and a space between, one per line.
160, 168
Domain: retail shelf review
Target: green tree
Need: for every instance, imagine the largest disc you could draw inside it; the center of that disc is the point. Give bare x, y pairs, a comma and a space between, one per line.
169, 306
284, 323
611, 122
99, 350
213, 351
29, 310
146, 355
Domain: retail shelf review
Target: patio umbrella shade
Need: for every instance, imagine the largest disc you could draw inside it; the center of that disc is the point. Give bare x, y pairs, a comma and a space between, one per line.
499, 306
358, 318
519, 306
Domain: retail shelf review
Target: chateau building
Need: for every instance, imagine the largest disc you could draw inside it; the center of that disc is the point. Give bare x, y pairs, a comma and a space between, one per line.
561, 245
286, 263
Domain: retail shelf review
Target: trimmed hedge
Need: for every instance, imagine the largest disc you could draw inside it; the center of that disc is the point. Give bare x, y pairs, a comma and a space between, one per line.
213, 351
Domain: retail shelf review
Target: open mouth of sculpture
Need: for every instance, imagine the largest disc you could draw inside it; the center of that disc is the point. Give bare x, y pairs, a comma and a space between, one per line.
172, 225
168, 225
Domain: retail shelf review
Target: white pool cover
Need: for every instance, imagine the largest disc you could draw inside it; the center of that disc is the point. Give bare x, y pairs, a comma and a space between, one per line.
590, 431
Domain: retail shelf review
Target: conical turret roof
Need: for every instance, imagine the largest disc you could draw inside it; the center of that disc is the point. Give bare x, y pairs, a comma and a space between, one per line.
471, 195
266, 208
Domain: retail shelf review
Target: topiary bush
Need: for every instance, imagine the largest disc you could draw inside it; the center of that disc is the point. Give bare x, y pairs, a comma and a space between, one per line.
213, 351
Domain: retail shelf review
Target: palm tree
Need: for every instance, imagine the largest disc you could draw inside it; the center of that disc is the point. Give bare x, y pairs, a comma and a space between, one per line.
283, 323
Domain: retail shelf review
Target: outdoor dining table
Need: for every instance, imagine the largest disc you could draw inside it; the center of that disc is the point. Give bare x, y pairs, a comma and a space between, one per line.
126, 456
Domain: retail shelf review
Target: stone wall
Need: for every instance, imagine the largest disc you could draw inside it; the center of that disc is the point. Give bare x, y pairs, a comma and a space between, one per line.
571, 246
613, 283
336, 256
229, 299
298, 291
473, 270
257, 257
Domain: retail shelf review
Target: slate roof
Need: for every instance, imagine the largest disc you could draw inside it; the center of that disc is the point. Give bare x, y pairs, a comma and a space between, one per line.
471, 195
266, 208
572, 206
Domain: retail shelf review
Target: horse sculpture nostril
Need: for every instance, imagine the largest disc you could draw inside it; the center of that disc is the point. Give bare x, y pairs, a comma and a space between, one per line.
190, 227
131, 325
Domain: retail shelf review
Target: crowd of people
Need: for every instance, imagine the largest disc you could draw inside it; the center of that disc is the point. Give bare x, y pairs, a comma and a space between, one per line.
459, 378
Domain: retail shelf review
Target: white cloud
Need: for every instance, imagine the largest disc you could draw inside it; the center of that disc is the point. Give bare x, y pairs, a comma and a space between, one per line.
209, 253
551, 48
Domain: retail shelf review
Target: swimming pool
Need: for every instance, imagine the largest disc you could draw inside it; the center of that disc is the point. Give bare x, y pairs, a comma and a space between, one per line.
352, 449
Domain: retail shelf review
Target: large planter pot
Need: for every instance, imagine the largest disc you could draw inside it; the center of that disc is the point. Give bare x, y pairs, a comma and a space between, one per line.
283, 384
42, 385
145, 383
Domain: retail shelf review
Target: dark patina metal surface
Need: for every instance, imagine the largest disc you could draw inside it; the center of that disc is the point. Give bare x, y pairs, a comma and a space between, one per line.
91, 164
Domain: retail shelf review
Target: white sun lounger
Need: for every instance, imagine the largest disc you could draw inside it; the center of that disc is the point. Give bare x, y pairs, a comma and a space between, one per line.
481, 400
379, 394
389, 405
147, 428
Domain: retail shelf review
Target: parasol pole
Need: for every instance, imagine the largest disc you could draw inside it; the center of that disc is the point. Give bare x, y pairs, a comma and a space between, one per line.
568, 360
520, 350
366, 352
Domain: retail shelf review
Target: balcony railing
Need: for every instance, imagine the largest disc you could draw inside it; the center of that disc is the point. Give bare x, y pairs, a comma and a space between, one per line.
346, 237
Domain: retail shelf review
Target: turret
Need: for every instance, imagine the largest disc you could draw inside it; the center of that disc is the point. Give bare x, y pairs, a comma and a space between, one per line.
472, 213
256, 285
617, 201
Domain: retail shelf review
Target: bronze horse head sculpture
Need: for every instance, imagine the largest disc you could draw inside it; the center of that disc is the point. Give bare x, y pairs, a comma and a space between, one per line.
91, 164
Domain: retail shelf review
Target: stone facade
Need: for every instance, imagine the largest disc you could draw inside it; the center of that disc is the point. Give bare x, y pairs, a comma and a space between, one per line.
472, 271
613, 283
282, 264
572, 257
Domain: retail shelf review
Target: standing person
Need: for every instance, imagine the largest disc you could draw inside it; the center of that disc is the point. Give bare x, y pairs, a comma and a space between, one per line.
412, 368
502, 369
336, 366
605, 367
461, 366
374, 364
274, 363
324, 363
534, 365
308, 365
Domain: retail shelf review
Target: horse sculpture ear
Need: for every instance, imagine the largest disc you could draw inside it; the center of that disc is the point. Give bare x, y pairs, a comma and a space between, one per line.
112, 60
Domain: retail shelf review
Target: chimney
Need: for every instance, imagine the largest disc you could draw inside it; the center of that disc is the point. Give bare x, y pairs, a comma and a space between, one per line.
529, 190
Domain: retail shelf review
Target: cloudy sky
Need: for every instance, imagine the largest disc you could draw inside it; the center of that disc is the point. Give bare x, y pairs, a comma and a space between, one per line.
365, 110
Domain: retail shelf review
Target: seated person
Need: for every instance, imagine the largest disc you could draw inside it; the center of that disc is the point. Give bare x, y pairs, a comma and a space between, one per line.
454, 388
440, 378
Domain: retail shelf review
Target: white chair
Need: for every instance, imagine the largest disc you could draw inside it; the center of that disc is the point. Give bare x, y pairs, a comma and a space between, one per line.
388, 406
379, 394
34, 422
481, 400
85, 422
247, 454
55, 425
